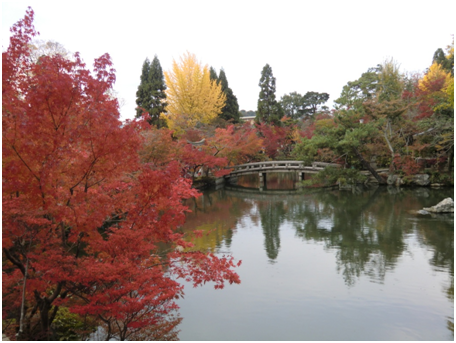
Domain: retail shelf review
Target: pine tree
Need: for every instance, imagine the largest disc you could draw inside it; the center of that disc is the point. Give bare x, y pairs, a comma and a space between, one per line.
269, 110
231, 109
151, 91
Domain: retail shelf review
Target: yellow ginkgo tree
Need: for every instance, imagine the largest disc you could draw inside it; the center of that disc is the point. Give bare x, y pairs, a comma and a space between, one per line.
191, 94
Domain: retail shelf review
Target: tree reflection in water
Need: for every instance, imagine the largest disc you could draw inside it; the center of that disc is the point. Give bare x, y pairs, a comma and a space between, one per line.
441, 239
368, 229
365, 242
216, 215
272, 215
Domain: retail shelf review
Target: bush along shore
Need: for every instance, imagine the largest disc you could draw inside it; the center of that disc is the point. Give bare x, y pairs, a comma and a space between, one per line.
345, 179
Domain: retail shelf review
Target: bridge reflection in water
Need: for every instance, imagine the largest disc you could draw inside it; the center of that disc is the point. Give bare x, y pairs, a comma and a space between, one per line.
284, 183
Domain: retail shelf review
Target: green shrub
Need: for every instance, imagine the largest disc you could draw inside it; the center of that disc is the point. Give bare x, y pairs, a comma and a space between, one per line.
443, 178
330, 176
407, 180
69, 326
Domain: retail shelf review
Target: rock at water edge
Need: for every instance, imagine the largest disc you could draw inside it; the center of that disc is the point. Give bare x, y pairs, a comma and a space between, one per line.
445, 206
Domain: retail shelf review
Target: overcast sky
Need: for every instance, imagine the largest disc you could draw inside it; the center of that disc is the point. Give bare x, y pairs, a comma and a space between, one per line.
310, 45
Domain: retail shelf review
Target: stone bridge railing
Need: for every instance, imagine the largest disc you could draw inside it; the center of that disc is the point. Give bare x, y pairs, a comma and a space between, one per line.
262, 168
279, 166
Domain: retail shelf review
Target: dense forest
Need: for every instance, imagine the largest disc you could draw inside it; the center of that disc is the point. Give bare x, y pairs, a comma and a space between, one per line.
92, 206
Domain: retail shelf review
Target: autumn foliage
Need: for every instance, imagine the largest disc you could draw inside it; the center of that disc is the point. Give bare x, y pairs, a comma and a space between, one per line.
277, 139
191, 95
238, 145
431, 91
85, 217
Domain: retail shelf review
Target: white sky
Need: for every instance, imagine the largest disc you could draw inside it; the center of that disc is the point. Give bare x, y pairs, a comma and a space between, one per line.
311, 45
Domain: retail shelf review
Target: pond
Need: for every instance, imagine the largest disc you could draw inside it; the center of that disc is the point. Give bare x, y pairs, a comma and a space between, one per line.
324, 265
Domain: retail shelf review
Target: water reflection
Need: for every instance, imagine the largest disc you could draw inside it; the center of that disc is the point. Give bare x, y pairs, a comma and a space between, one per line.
368, 239
369, 231
216, 215
273, 181
272, 216
441, 241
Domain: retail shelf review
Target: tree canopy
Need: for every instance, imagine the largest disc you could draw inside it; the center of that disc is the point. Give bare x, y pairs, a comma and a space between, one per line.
269, 110
231, 109
389, 117
151, 96
297, 106
85, 219
192, 96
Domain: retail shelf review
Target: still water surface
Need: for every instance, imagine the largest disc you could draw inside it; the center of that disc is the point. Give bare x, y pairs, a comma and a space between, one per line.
327, 265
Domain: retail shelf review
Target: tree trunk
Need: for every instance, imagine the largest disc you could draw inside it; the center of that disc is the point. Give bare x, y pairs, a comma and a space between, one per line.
44, 305
21, 322
385, 134
367, 165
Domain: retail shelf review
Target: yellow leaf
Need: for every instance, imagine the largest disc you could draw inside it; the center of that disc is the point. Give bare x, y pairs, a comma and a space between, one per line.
191, 95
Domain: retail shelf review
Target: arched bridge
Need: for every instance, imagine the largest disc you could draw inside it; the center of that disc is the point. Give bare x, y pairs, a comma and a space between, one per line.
262, 168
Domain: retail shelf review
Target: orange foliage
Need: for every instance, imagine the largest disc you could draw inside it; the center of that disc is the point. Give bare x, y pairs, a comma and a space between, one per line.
276, 139
237, 144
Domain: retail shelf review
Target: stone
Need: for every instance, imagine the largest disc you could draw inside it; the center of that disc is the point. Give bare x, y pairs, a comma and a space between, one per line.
345, 187
421, 179
445, 206
436, 185
391, 179
399, 182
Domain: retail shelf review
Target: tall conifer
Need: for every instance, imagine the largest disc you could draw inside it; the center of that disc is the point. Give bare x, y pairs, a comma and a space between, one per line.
269, 110
142, 94
213, 74
231, 109
151, 91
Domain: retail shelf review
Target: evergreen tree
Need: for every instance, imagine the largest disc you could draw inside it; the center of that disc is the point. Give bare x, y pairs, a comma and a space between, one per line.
355, 93
446, 62
213, 74
143, 89
296, 105
151, 91
439, 57
312, 102
231, 109
269, 110
292, 105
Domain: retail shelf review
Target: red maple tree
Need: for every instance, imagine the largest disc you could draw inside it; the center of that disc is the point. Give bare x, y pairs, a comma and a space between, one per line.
196, 159
84, 221
277, 139
238, 144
